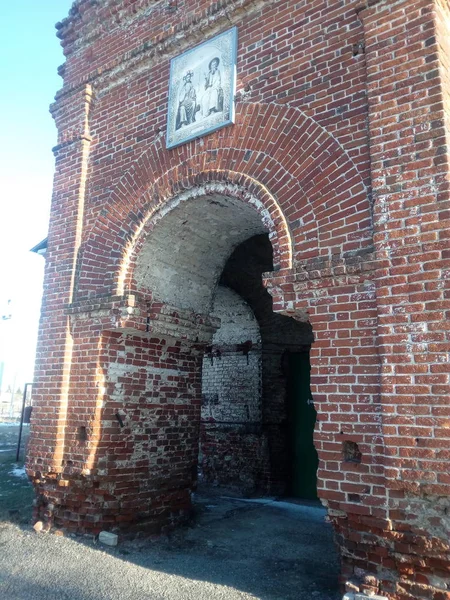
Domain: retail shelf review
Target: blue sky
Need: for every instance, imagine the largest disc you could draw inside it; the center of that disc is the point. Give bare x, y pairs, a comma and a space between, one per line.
30, 55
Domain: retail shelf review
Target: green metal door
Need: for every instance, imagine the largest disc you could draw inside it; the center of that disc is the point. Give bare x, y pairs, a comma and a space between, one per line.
302, 418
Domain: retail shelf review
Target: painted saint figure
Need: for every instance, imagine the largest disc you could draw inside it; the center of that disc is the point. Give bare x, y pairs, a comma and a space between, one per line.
187, 106
212, 100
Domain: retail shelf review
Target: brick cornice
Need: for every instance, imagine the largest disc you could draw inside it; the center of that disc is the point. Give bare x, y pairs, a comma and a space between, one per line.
370, 7
169, 43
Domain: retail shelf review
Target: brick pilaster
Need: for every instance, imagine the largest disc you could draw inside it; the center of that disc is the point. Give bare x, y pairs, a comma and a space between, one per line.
54, 351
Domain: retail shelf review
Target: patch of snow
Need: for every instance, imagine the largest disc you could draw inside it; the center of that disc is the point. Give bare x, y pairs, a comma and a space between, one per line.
18, 472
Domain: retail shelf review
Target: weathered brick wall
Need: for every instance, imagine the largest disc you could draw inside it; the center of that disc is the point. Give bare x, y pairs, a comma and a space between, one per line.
410, 179
339, 153
135, 411
231, 444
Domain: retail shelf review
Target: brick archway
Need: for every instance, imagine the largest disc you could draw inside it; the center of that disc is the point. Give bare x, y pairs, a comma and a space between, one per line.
310, 188
313, 203
249, 193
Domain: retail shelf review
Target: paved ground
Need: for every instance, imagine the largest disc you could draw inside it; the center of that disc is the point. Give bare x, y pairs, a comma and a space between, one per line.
234, 549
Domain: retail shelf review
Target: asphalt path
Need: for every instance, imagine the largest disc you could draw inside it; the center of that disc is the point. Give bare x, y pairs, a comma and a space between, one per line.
234, 550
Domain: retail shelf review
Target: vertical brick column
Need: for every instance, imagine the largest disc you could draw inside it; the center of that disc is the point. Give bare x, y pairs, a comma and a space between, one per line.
410, 176
71, 113
133, 416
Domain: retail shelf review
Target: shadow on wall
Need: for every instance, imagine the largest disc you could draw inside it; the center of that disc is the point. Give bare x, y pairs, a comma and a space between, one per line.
271, 456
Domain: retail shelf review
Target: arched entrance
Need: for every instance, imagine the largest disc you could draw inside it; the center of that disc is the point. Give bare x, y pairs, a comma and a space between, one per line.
124, 370
201, 259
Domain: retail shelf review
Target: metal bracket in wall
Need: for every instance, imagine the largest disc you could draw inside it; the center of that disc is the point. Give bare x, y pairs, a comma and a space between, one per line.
246, 347
119, 419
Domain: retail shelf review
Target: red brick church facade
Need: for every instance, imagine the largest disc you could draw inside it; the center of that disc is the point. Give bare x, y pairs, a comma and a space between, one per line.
330, 192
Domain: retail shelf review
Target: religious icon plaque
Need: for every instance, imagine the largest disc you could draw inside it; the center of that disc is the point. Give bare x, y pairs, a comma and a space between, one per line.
202, 87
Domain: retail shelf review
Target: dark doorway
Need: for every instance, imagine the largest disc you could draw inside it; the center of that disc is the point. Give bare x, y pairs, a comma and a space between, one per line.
247, 437
301, 421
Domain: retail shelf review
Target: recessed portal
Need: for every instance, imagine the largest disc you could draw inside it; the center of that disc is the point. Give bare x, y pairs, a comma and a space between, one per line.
220, 385
257, 419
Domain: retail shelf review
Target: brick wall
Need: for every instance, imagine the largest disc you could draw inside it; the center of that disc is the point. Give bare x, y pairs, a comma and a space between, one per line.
410, 177
231, 445
339, 155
